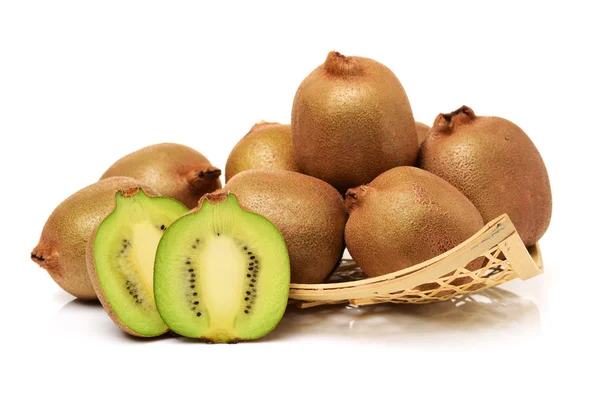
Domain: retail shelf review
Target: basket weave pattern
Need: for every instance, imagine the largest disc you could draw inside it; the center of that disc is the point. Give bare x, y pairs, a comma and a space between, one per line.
439, 279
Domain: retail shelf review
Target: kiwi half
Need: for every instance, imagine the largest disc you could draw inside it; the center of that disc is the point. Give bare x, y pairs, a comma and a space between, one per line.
120, 259
221, 273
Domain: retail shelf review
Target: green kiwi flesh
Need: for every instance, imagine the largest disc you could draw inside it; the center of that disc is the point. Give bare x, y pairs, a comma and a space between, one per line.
221, 273
121, 262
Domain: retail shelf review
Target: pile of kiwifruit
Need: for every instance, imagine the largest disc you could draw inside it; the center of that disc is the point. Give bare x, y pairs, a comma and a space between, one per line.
353, 169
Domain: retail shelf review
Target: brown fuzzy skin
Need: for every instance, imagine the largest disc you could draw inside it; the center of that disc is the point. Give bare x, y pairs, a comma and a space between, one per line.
351, 121
495, 164
422, 131
174, 170
309, 213
268, 145
93, 275
63, 242
404, 217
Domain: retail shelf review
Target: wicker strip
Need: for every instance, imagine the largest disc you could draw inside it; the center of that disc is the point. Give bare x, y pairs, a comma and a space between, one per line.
506, 258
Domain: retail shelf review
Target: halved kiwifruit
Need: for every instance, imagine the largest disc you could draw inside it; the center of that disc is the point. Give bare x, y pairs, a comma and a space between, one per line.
221, 273
120, 259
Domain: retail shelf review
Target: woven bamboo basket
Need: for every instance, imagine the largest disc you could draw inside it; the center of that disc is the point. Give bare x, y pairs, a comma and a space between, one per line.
506, 258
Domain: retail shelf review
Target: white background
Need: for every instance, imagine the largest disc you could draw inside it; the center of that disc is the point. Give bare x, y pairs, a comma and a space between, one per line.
84, 83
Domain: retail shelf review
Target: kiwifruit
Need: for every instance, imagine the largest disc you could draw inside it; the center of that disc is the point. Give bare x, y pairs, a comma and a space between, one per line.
174, 170
495, 164
120, 259
422, 130
268, 145
406, 216
309, 213
221, 273
351, 121
63, 242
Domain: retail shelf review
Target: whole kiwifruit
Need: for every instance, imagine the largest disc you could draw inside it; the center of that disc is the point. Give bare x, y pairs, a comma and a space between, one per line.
422, 130
309, 213
351, 121
406, 216
268, 145
174, 170
495, 164
62, 247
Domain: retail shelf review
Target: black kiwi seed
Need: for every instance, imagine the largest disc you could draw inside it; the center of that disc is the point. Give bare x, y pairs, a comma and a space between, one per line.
253, 280
195, 294
190, 270
194, 246
162, 227
251, 285
247, 292
193, 275
246, 298
245, 248
188, 263
248, 275
196, 302
198, 241
248, 307
250, 269
192, 280
192, 286
252, 258
249, 253
246, 311
198, 314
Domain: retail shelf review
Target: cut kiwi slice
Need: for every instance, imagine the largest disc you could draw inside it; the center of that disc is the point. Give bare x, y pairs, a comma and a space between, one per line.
221, 273
121, 259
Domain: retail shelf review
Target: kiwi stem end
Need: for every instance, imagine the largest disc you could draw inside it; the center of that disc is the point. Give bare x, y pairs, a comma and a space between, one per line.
445, 123
353, 196
337, 64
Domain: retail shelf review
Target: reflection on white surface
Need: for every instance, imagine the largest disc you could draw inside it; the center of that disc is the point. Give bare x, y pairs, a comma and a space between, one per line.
493, 311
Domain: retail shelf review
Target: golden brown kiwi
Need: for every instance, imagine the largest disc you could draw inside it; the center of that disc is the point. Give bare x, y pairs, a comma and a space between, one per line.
63, 242
268, 145
174, 170
404, 217
495, 164
351, 121
309, 213
422, 130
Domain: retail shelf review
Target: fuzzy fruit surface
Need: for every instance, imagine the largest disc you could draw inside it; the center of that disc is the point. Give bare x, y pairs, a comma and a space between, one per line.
351, 121
174, 170
268, 145
422, 131
62, 247
404, 217
309, 213
495, 164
